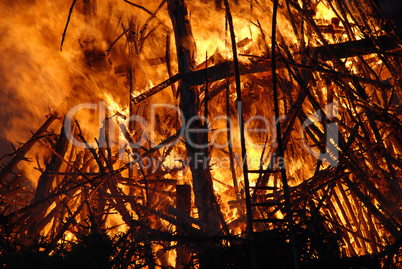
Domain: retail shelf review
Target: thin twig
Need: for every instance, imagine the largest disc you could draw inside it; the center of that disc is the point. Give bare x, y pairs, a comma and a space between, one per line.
140, 7
117, 39
289, 212
68, 21
168, 63
92, 150
230, 147
242, 138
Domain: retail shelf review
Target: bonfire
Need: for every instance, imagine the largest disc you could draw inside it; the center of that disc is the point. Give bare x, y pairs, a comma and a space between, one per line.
200, 134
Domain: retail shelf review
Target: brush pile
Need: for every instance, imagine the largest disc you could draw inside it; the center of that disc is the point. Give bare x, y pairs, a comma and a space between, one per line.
159, 182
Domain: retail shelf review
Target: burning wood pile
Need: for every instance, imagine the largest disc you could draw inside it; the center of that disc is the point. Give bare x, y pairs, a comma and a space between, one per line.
210, 134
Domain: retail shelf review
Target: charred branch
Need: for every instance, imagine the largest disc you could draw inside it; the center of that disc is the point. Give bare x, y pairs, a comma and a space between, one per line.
225, 70
22, 150
186, 49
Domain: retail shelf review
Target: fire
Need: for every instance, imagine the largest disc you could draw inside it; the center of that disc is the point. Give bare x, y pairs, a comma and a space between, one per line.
324, 12
112, 165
